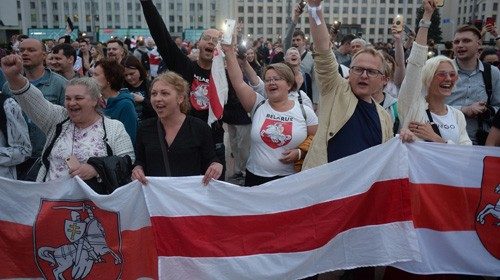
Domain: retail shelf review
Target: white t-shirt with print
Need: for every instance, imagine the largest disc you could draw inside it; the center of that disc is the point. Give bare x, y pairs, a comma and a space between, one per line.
448, 126
273, 133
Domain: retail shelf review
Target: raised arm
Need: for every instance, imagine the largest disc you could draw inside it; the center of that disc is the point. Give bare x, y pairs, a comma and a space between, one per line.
411, 102
244, 92
174, 58
399, 56
290, 28
319, 33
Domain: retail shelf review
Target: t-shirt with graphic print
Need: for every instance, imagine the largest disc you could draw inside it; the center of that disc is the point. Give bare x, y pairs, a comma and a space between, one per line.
274, 132
448, 126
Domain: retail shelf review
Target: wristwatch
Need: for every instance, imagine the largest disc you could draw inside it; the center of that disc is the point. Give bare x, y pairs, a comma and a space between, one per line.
424, 23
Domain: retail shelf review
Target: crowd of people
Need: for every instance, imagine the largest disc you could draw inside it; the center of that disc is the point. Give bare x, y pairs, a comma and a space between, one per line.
291, 105
286, 109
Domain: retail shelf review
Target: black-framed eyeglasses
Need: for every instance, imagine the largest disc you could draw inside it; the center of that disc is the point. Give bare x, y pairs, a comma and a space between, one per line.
372, 73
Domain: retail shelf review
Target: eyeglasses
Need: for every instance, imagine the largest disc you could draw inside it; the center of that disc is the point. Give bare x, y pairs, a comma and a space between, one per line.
273, 80
443, 74
209, 38
372, 73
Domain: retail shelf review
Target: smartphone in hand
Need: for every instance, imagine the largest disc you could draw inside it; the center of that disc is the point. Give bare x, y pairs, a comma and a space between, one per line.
439, 3
398, 22
490, 21
407, 29
227, 36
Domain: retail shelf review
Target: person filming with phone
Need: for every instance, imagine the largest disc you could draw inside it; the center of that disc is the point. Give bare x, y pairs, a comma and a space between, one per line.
75, 132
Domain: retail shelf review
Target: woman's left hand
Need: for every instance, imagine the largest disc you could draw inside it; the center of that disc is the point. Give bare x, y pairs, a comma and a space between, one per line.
424, 131
290, 156
85, 171
213, 172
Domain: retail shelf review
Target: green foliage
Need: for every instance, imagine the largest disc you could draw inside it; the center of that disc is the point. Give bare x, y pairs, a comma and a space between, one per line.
435, 29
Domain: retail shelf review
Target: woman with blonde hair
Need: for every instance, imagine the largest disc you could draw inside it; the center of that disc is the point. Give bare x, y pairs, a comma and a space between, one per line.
427, 83
174, 144
279, 124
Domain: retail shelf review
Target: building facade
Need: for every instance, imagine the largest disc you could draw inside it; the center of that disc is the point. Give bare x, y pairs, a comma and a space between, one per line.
260, 18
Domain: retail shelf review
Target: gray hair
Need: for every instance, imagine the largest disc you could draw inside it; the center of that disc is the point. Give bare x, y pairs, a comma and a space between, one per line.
91, 85
430, 68
359, 40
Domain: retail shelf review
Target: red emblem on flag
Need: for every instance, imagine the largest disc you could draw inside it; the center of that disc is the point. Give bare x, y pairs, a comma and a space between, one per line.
488, 210
76, 240
276, 133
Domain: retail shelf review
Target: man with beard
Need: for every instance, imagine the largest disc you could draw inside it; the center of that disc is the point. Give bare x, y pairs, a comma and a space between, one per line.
116, 50
51, 84
63, 59
196, 73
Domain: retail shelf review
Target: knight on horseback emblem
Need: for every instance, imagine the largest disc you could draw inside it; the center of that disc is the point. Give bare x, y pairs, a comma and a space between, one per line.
87, 244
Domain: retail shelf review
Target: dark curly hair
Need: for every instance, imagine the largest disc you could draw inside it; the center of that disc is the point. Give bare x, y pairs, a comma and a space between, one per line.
113, 71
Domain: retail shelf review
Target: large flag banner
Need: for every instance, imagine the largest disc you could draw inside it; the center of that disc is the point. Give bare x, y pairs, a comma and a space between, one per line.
354, 212
456, 208
421, 207
63, 230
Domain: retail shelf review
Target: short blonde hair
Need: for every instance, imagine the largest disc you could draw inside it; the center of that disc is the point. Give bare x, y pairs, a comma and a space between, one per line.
179, 84
285, 72
430, 67
375, 53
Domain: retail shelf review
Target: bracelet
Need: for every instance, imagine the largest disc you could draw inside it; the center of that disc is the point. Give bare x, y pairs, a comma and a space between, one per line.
22, 90
300, 154
313, 12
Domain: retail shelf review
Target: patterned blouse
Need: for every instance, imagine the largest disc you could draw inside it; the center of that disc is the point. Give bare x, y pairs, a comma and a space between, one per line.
83, 143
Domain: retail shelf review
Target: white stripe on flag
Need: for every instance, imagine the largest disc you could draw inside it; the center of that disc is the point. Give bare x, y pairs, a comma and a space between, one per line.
366, 246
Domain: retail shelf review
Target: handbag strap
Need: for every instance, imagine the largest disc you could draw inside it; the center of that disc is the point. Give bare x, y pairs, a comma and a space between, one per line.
434, 126
161, 137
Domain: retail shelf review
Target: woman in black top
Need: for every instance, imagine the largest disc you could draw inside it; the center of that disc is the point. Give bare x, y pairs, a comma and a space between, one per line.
174, 144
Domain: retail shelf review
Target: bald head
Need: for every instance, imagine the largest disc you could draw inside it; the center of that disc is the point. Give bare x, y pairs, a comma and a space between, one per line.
32, 52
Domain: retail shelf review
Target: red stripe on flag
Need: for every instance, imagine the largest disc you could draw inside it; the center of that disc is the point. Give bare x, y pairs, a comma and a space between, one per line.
213, 97
16, 251
444, 208
139, 254
284, 232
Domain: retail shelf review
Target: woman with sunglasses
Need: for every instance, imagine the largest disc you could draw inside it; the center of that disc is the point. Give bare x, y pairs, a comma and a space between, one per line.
427, 83
279, 124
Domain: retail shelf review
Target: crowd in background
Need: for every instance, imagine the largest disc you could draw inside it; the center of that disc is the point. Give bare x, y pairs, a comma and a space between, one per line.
144, 107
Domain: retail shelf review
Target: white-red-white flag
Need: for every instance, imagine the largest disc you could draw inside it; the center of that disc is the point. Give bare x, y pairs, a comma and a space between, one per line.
63, 229
217, 86
351, 213
455, 194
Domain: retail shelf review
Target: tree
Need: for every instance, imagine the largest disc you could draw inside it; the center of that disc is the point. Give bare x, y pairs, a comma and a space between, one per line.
435, 29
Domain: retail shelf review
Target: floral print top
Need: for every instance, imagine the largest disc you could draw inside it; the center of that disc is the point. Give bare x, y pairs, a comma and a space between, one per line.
83, 143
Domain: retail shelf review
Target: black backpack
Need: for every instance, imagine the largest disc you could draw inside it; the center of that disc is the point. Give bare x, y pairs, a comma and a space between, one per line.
144, 59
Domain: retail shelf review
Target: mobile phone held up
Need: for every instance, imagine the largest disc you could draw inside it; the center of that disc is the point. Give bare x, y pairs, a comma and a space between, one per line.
228, 28
302, 5
398, 22
490, 21
439, 3
407, 29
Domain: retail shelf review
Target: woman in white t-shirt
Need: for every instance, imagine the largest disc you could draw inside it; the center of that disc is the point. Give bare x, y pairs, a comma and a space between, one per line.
427, 83
279, 124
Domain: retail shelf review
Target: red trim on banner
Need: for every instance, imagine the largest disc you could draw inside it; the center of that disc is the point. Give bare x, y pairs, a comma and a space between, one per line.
284, 232
444, 208
213, 97
16, 247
